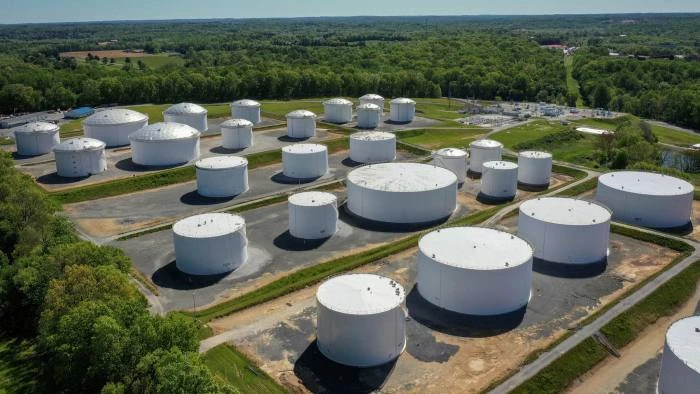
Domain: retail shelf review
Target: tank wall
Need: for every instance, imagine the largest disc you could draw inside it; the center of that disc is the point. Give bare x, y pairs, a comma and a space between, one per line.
535, 172
368, 119
500, 183
306, 165
238, 138
646, 210
301, 128
477, 158
675, 376
117, 135
402, 207
565, 244
313, 222
378, 102
380, 151
34, 144
196, 121
164, 153
337, 113
222, 183
402, 112
251, 114
474, 292
361, 340
458, 165
81, 163
211, 256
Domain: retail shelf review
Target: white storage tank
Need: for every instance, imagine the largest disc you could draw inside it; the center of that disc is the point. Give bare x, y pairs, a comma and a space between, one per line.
237, 134
113, 126
403, 110
372, 147
164, 144
481, 151
407, 193
534, 168
375, 99
565, 230
246, 109
680, 363
360, 320
79, 157
305, 161
499, 180
210, 244
474, 270
222, 176
337, 110
187, 113
368, 116
454, 160
36, 138
313, 215
646, 199
301, 124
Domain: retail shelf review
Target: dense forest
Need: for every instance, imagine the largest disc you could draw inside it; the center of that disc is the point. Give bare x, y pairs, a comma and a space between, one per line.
467, 57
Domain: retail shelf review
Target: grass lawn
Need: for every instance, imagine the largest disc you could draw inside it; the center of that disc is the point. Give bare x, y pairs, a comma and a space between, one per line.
73, 128
281, 108
18, 368
665, 135
571, 82
155, 111
7, 141
233, 367
440, 138
440, 109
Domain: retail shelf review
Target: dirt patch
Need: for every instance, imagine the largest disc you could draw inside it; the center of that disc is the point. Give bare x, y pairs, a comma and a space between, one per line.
105, 227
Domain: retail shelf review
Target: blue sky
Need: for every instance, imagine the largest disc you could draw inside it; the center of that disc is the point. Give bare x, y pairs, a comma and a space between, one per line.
20, 11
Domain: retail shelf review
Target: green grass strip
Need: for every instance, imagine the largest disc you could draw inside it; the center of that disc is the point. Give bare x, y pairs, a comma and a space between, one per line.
233, 367
579, 189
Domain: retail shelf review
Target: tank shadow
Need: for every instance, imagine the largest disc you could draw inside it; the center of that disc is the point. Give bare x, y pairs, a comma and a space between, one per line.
170, 277
338, 123
457, 324
348, 162
194, 198
489, 200
128, 165
286, 180
532, 188
55, 179
680, 230
287, 241
321, 375
17, 156
393, 122
220, 150
571, 271
473, 175
286, 138
372, 225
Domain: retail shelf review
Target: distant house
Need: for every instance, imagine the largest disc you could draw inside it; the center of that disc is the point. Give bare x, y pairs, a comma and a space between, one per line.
78, 113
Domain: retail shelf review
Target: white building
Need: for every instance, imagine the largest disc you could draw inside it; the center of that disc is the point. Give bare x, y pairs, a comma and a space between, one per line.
337, 110
452, 159
80, 157
246, 109
210, 244
403, 110
372, 147
313, 215
499, 180
36, 138
680, 363
222, 176
305, 161
187, 113
113, 126
474, 270
237, 134
164, 144
375, 99
368, 116
481, 151
360, 321
301, 124
534, 168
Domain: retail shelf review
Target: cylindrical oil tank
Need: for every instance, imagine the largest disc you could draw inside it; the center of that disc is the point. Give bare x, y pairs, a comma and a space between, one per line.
237, 134
405, 193
565, 230
113, 126
368, 116
534, 168
246, 109
360, 320
210, 244
36, 138
481, 151
222, 176
305, 161
372, 147
164, 144
403, 110
190, 114
313, 215
454, 160
337, 110
301, 124
499, 179
646, 199
375, 99
680, 363
474, 270
79, 157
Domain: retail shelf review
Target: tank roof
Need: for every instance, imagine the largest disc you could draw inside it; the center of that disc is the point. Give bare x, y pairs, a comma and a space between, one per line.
301, 114
369, 107
221, 162
245, 103
36, 127
236, 123
648, 183
185, 109
360, 294
566, 211
451, 152
164, 131
337, 101
402, 177
373, 136
535, 154
79, 144
683, 338
476, 248
486, 144
115, 116
209, 225
371, 96
304, 148
402, 100
500, 165
312, 199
